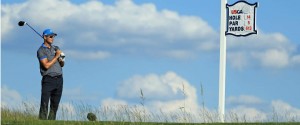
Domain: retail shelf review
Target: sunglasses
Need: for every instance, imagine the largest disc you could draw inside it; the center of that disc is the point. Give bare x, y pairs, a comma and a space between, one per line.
51, 36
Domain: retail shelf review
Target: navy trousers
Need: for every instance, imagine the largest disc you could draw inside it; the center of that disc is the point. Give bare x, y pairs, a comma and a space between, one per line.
52, 88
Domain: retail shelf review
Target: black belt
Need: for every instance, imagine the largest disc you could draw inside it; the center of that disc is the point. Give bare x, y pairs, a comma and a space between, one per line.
59, 76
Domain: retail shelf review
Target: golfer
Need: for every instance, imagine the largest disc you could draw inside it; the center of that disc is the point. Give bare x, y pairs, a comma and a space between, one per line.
51, 70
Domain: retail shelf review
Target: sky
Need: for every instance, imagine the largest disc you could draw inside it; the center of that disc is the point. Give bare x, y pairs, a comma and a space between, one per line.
169, 49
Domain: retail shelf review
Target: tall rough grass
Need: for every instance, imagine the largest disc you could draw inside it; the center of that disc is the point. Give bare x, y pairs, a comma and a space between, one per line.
28, 112
125, 113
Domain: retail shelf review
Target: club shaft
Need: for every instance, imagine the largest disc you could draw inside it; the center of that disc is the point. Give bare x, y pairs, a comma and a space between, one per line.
34, 30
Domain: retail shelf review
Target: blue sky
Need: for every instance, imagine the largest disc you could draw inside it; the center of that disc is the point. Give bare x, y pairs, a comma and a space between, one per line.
115, 48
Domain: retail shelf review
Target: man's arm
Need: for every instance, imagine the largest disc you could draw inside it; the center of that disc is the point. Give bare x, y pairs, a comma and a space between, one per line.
48, 63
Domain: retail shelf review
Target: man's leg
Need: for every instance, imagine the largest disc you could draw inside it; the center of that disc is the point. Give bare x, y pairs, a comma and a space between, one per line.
55, 99
45, 95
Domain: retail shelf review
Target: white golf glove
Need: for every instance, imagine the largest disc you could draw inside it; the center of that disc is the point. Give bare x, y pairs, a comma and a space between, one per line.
62, 56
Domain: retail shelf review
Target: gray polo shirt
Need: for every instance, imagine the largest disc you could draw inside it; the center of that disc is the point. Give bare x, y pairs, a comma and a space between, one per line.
49, 53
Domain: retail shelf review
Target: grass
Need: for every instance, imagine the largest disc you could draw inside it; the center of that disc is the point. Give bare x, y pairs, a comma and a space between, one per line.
27, 114
118, 115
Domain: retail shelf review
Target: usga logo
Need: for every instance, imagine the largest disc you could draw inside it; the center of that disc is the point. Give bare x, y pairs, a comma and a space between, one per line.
236, 11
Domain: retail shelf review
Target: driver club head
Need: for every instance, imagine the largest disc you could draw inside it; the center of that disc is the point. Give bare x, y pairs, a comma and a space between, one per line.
21, 23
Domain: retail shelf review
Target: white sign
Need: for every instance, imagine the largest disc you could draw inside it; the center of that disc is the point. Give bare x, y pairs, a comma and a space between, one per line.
241, 19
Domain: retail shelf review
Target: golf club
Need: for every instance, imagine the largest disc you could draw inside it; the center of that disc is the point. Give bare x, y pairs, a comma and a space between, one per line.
22, 23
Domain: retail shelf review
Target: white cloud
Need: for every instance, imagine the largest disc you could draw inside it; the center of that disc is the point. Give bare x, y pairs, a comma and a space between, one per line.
245, 109
153, 86
168, 92
128, 28
273, 58
164, 94
296, 59
87, 55
246, 114
9, 97
5, 26
244, 100
253, 109
284, 111
269, 50
123, 28
113, 102
77, 94
261, 41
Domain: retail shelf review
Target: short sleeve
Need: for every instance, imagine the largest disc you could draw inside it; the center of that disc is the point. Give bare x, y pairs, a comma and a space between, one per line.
41, 55
56, 48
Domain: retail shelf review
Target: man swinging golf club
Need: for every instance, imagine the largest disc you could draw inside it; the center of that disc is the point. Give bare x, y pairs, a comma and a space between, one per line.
51, 64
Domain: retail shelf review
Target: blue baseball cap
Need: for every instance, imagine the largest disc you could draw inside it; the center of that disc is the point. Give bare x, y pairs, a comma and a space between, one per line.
49, 32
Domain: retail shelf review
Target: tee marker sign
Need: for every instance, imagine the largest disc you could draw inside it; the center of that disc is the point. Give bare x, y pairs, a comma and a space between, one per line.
241, 19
